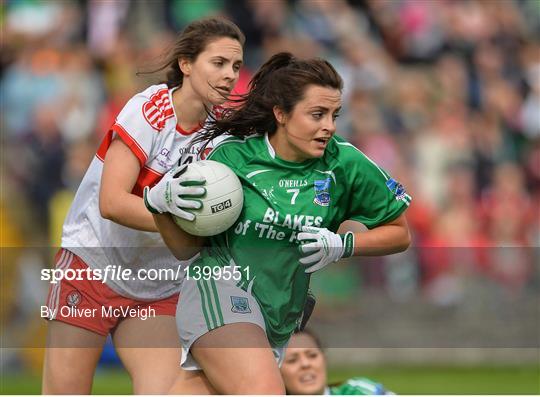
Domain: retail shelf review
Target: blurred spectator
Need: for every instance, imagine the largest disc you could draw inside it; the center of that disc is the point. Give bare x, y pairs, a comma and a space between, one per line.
78, 155
182, 12
44, 160
34, 79
506, 208
105, 23
82, 97
56, 22
530, 116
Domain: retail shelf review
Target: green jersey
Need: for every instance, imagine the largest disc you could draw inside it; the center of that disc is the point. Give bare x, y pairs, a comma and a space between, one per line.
358, 387
279, 198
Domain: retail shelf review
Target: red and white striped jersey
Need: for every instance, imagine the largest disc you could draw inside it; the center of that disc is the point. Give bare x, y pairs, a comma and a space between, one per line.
148, 126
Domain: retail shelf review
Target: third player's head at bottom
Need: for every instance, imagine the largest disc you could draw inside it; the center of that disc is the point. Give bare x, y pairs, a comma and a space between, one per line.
304, 371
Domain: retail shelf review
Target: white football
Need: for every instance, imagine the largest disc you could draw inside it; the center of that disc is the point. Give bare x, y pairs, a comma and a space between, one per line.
222, 203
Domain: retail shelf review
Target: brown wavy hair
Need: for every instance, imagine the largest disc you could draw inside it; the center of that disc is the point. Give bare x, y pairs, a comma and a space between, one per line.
192, 41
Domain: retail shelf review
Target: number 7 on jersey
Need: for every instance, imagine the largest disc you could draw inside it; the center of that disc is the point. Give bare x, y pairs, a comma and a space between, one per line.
294, 194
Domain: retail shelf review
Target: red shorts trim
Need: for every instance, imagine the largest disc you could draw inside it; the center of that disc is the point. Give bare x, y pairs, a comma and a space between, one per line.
92, 305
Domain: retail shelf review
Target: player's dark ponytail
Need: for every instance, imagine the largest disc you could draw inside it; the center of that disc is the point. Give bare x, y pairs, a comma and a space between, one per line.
261, 79
280, 82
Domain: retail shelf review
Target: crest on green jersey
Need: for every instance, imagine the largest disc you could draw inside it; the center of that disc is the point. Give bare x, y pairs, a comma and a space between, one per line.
396, 188
322, 191
240, 305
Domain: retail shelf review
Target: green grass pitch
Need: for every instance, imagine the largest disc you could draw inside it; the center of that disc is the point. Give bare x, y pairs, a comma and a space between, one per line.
400, 379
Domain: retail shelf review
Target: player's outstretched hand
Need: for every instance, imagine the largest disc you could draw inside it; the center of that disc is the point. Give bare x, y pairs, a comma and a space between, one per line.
176, 193
322, 247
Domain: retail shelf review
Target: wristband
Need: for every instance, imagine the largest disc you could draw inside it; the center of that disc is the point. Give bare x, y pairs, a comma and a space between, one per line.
348, 244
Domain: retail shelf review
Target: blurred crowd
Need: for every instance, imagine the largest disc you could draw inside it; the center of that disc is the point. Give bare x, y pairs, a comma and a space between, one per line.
444, 94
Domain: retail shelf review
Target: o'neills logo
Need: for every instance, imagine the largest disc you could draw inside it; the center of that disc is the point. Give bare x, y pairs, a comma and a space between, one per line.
221, 206
293, 183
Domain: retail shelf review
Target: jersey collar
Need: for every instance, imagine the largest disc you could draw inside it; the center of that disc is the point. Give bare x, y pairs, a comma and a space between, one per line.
285, 163
271, 150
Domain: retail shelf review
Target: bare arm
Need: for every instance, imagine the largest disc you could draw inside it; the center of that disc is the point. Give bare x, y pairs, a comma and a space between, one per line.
182, 245
116, 202
389, 238
321, 246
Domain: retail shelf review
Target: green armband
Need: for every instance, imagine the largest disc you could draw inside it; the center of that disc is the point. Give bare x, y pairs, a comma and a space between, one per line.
348, 244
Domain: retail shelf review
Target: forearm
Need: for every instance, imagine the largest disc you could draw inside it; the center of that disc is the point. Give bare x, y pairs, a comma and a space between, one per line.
128, 210
121, 170
182, 245
383, 240
322, 246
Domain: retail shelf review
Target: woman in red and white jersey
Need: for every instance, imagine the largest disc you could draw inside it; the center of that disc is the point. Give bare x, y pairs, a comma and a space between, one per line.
110, 237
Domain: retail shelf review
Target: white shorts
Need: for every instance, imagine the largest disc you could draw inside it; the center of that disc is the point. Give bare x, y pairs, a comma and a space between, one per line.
209, 304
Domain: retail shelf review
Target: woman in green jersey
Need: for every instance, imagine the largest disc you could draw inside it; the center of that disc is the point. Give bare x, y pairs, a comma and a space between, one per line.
300, 183
304, 371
